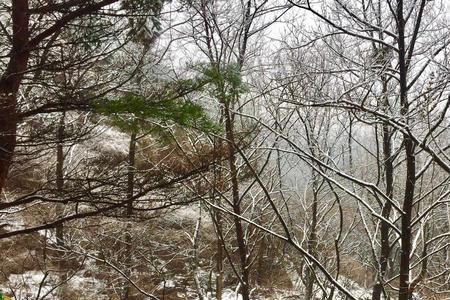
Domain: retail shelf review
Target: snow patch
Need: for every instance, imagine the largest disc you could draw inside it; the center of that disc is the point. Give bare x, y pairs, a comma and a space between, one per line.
29, 284
231, 295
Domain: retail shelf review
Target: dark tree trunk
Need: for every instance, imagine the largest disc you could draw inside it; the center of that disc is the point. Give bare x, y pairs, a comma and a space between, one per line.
240, 237
405, 291
9, 86
60, 191
219, 259
11, 79
385, 248
8, 128
312, 242
217, 215
410, 182
129, 212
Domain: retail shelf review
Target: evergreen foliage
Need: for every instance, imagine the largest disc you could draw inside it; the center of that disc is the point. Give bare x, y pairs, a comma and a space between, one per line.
169, 102
135, 112
226, 81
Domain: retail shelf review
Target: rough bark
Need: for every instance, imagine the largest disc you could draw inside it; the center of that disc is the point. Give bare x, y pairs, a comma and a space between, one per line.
9, 86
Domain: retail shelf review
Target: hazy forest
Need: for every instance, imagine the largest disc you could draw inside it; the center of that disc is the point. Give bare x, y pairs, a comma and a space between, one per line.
225, 149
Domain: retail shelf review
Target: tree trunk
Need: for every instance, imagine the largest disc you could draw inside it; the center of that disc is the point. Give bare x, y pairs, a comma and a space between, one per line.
219, 260
405, 260
9, 86
217, 215
129, 212
410, 182
59, 230
385, 247
240, 238
312, 244
8, 128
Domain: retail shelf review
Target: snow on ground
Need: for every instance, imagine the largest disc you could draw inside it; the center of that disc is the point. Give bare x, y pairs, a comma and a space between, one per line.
31, 283
358, 291
28, 285
231, 295
86, 283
